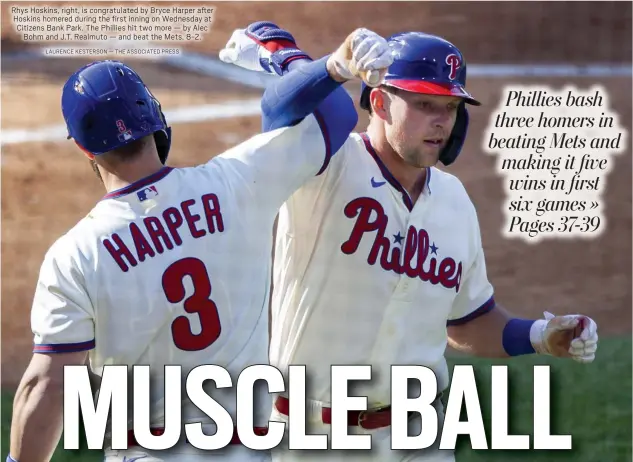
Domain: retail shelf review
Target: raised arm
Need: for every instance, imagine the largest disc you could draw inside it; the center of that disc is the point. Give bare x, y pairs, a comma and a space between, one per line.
306, 114
265, 47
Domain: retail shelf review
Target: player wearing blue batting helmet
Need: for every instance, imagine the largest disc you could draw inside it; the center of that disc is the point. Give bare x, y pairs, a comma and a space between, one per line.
429, 65
107, 108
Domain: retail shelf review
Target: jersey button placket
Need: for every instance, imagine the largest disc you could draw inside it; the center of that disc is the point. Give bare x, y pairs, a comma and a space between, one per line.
404, 289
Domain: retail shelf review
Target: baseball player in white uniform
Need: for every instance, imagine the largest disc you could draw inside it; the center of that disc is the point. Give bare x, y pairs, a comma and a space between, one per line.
172, 266
379, 261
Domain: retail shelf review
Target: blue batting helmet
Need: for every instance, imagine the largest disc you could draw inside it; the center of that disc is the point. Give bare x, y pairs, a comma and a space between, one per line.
106, 105
428, 64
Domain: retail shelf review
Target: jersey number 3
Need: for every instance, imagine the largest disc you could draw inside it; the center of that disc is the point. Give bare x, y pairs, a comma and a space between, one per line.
199, 302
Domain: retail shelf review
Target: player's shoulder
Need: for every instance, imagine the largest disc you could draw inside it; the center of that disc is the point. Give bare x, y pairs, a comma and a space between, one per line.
356, 144
452, 195
448, 187
353, 150
345, 161
446, 181
68, 250
75, 240
81, 240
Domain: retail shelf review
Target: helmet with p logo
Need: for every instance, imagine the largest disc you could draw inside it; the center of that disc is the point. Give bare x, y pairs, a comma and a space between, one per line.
428, 64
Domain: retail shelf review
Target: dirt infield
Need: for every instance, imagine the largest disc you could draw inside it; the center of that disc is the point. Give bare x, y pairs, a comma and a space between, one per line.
48, 186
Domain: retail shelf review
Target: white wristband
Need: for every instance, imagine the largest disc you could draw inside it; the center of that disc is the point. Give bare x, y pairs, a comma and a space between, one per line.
537, 336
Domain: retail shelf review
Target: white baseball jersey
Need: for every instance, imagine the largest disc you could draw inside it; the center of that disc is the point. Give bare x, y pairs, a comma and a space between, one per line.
175, 269
364, 276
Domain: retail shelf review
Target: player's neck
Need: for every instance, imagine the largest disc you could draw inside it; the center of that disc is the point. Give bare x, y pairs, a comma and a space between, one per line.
411, 178
119, 175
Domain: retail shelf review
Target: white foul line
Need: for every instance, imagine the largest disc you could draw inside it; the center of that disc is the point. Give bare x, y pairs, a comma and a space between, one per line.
210, 66
225, 110
207, 65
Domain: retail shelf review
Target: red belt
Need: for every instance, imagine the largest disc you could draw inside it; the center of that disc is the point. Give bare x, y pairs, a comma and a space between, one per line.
157, 431
369, 420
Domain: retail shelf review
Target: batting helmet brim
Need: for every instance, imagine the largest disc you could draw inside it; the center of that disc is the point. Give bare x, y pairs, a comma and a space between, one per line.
430, 88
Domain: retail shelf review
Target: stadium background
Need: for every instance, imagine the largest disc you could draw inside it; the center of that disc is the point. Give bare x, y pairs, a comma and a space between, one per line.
47, 185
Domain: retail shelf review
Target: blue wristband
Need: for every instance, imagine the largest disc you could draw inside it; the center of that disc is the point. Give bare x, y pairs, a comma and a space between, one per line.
281, 59
11, 459
516, 337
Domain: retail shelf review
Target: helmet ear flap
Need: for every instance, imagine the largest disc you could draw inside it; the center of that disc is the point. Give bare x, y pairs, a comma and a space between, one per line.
364, 97
457, 138
162, 138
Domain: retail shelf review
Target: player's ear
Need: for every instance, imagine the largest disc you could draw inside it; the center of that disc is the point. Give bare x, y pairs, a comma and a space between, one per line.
89, 155
378, 101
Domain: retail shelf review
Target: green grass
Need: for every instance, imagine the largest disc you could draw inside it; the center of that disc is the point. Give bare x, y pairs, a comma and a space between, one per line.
61, 454
590, 402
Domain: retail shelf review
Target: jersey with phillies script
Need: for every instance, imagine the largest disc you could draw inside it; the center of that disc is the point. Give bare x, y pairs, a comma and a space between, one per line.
175, 268
365, 276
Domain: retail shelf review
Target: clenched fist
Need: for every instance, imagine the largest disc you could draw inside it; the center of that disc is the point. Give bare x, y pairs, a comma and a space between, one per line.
364, 54
572, 336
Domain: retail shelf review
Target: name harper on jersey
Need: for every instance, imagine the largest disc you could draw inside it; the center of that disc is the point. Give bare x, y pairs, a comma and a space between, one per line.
447, 272
163, 231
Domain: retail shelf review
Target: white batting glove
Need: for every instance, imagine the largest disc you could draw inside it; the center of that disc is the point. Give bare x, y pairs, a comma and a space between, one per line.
571, 336
262, 46
365, 55
242, 51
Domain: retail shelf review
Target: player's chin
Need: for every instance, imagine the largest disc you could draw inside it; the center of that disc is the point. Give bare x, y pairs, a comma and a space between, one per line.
422, 162
428, 157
